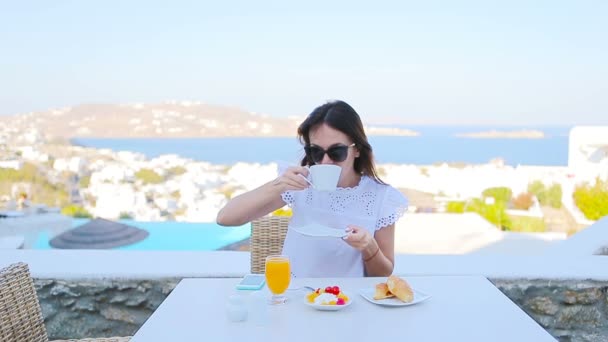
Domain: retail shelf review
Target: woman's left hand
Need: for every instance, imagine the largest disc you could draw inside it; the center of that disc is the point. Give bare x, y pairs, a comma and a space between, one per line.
359, 238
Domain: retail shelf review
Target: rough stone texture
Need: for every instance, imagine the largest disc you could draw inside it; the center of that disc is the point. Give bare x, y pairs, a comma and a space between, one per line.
99, 308
602, 251
570, 310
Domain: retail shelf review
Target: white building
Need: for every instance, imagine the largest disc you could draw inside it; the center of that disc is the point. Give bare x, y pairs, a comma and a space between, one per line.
76, 165
588, 152
11, 164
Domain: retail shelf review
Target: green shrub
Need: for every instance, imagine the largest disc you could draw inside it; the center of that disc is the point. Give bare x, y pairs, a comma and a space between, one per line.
500, 194
41, 191
148, 176
523, 201
125, 216
177, 170
495, 213
592, 200
84, 182
75, 211
455, 207
27, 173
536, 188
553, 196
548, 196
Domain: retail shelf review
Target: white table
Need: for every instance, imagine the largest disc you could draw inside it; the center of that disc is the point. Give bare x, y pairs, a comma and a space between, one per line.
462, 308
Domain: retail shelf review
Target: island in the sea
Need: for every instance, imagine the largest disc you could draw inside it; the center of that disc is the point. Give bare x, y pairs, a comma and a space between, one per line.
495, 134
170, 119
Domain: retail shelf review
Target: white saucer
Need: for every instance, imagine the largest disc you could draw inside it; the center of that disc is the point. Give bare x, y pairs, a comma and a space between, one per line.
319, 230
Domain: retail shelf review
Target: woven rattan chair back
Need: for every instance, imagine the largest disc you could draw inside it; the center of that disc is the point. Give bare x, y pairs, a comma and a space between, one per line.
267, 236
20, 316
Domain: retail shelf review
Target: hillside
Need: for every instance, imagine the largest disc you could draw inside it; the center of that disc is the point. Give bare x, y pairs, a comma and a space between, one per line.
170, 119
165, 120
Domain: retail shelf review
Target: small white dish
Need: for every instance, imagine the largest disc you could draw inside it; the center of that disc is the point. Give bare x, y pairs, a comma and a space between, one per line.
319, 230
368, 293
322, 307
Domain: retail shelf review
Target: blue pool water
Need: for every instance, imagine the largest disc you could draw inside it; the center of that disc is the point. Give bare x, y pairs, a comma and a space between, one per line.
173, 236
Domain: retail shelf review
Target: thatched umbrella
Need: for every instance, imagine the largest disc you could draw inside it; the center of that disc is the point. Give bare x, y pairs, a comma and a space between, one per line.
99, 234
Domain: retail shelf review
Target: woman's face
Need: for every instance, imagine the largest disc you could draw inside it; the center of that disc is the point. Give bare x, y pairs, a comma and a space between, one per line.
325, 137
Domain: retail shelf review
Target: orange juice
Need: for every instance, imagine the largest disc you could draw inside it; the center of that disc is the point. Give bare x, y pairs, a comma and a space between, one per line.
278, 274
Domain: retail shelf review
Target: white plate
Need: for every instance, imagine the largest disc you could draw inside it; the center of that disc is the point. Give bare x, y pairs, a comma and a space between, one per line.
319, 230
329, 307
368, 293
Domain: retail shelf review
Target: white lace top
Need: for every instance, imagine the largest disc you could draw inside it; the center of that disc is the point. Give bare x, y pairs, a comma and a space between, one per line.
369, 205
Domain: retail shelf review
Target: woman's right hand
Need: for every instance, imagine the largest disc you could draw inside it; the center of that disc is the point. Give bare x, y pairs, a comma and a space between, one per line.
294, 178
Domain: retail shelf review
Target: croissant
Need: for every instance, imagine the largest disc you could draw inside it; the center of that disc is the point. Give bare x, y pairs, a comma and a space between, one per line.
382, 292
400, 288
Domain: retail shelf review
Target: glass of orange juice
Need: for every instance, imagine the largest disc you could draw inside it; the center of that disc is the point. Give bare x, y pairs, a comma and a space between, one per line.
278, 276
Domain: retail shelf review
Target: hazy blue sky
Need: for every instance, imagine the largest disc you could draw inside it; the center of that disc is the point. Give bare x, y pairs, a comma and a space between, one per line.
486, 62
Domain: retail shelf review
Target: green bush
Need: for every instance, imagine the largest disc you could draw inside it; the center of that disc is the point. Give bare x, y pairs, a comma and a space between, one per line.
41, 191
177, 170
75, 211
148, 176
548, 196
536, 187
592, 200
84, 182
500, 194
495, 213
125, 216
455, 207
27, 173
553, 196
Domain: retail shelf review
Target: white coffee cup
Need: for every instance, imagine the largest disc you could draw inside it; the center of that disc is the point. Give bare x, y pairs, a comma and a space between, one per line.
324, 177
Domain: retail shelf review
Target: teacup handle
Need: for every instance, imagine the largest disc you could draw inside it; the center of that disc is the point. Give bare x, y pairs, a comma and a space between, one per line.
306, 179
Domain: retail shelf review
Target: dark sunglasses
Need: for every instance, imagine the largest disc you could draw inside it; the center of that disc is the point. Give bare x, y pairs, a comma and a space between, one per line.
337, 153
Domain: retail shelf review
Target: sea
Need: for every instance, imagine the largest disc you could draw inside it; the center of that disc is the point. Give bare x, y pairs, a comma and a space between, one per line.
435, 144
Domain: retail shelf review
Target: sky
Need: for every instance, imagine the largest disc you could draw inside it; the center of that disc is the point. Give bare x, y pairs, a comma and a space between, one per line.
413, 62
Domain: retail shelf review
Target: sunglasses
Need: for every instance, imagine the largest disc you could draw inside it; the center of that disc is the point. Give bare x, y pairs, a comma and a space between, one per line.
337, 153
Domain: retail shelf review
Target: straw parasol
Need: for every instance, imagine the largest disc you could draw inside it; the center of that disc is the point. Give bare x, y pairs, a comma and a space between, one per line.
99, 234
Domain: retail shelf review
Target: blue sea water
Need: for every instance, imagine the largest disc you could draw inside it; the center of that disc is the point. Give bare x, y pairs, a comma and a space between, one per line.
173, 236
435, 144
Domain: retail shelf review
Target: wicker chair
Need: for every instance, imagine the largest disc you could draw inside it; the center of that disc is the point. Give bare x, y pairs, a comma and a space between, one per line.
20, 315
267, 236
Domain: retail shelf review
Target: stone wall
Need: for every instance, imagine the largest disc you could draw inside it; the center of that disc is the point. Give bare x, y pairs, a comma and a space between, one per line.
99, 308
569, 310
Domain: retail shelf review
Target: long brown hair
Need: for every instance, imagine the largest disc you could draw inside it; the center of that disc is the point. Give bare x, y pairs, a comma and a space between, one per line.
340, 116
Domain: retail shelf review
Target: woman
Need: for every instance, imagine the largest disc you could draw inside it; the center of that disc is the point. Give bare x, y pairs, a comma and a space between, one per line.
364, 206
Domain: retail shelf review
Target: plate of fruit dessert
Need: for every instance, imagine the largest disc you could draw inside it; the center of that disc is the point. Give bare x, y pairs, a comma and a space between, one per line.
331, 298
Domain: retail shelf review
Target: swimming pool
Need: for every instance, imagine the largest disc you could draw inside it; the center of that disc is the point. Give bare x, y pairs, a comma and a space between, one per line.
173, 236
